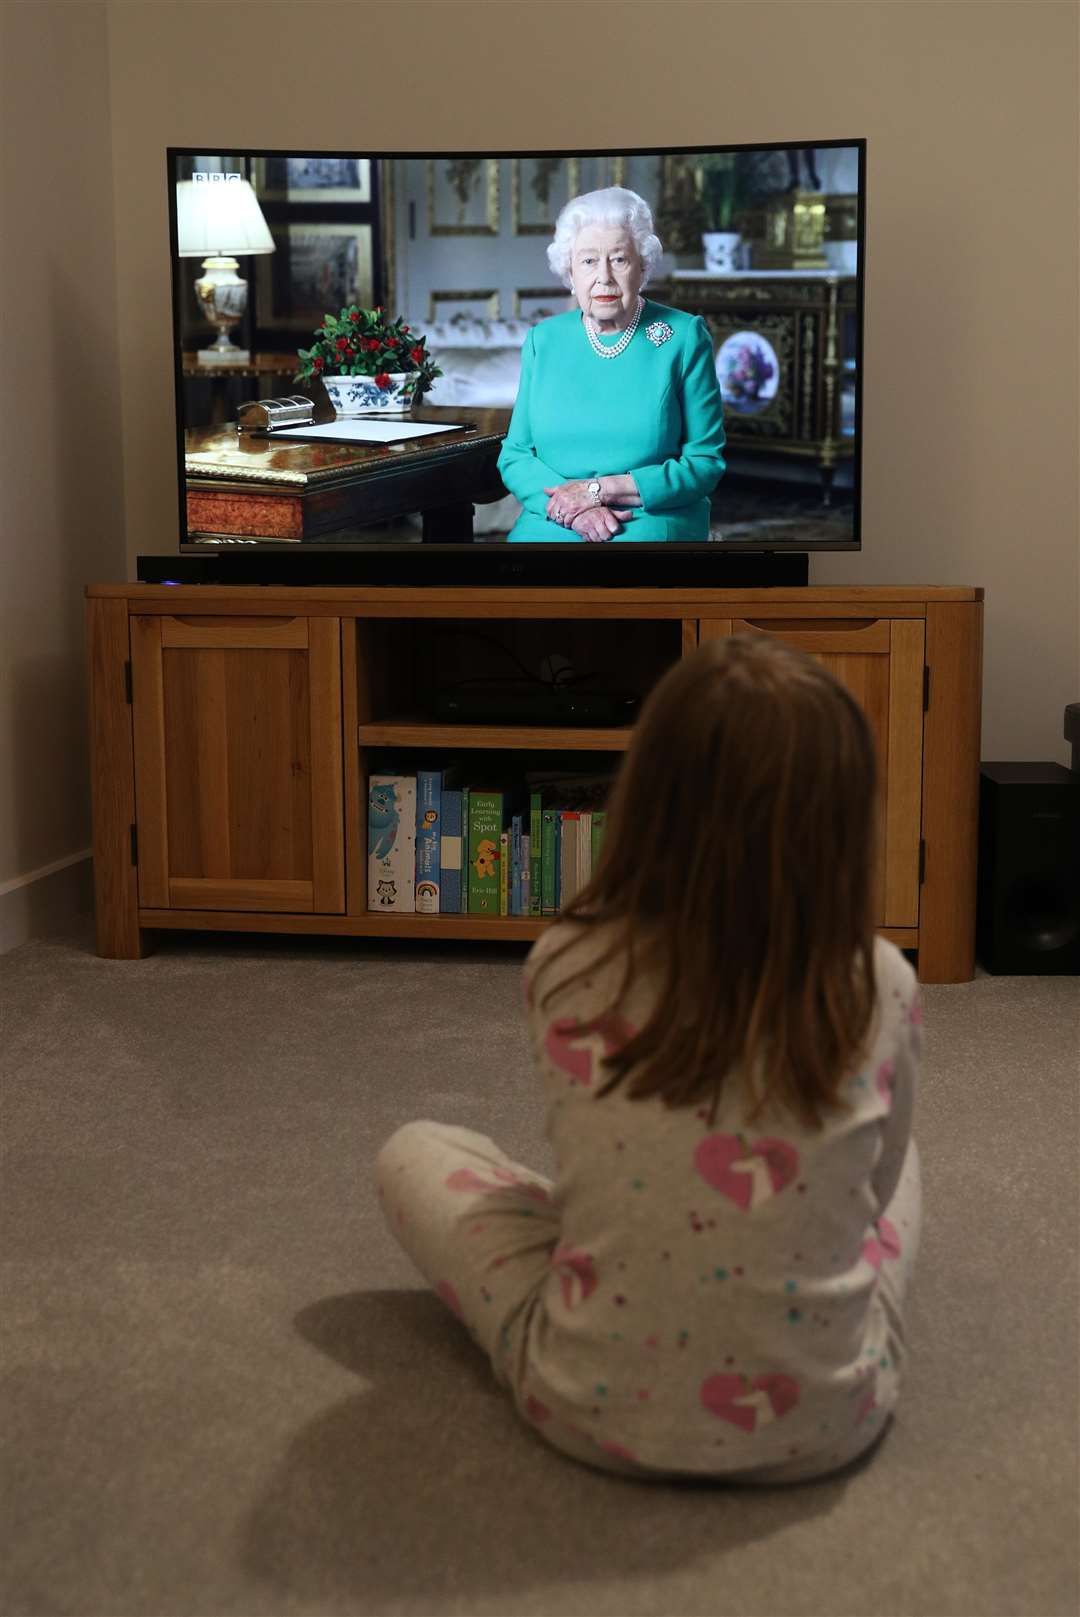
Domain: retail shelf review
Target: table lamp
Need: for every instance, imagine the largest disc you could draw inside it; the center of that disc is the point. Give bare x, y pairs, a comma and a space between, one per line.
218, 219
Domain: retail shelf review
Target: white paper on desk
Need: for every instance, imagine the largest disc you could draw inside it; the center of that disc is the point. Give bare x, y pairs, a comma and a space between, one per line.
370, 431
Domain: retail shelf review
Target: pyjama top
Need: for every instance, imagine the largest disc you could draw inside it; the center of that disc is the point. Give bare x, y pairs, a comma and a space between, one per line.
655, 411
714, 1304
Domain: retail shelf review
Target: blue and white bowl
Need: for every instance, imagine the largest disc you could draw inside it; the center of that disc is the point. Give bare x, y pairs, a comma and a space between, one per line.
358, 395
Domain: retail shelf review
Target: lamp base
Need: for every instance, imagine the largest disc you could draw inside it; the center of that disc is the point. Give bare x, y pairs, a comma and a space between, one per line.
222, 357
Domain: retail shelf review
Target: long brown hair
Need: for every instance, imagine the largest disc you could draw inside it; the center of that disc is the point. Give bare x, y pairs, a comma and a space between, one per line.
737, 865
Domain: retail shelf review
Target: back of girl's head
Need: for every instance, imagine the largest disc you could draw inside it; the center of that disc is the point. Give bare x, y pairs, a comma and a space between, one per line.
737, 868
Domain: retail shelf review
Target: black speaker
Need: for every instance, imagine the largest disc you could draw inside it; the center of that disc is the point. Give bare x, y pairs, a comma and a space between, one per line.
1028, 917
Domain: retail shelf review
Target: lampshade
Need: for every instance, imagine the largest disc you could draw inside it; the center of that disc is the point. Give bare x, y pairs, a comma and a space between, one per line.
219, 218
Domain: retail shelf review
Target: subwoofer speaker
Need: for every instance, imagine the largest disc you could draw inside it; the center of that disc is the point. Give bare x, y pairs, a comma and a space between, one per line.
1028, 917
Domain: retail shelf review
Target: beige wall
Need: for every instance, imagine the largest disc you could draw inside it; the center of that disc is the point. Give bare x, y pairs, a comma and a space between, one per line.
61, 487
971, 340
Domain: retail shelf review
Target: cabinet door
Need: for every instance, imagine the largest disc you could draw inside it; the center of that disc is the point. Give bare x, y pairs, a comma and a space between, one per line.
880, 661
238, 763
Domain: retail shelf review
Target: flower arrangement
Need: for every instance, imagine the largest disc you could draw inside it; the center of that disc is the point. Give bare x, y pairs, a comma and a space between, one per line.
748, 372
365, 342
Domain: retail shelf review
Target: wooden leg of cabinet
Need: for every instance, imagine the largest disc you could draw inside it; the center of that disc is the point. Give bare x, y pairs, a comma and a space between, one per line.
951, 745
112, 784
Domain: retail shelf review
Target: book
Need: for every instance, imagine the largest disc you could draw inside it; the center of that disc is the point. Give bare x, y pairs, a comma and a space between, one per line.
515, 865
548, 856
450, 851
526, 873
568, 855
536, 897
584, 848
392, 843
504, 868
484, 833
428, 816
599, 826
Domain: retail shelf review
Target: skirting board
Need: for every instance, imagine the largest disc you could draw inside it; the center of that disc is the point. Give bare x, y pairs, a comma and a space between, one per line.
46, 902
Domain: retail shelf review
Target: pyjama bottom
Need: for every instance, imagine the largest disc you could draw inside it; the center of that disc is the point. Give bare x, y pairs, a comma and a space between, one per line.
482, 1228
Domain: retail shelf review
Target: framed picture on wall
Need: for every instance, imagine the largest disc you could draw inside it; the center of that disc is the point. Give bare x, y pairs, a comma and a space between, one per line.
463, 196
317, 269
539, 188
312, 181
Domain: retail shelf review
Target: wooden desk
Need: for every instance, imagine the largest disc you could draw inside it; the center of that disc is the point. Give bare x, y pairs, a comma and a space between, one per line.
289, 489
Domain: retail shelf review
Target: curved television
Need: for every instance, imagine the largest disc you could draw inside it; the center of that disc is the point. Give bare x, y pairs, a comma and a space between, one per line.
716, 411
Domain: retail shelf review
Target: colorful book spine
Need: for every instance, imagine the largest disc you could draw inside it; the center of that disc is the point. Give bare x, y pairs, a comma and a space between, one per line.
599, 826
504, 868
450, 852
568, 853
485, 830
548, 856
515, 865
392, 843
536, 824
526, 873
428, 818
584, 852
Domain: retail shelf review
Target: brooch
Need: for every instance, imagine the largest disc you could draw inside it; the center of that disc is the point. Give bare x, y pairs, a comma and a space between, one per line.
659, 332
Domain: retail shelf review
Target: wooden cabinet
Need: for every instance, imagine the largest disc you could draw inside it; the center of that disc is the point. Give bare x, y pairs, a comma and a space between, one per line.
236, 729
232, 730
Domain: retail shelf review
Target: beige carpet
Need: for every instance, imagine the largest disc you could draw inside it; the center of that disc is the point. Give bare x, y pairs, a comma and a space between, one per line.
227, 1392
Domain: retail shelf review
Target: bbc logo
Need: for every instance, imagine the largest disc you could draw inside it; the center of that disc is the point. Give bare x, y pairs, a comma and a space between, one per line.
215, 178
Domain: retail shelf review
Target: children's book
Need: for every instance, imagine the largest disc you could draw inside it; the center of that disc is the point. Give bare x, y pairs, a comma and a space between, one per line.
428, 817
549, 858
515, 864
485, 831
599, 826
568, 854
504, 868
450, 852
392, 843
526, 873
536, 896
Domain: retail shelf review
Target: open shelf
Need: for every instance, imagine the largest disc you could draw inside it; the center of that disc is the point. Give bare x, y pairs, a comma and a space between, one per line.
416, 733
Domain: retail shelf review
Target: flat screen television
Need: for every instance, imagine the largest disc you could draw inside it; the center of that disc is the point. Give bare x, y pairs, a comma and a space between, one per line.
741, 306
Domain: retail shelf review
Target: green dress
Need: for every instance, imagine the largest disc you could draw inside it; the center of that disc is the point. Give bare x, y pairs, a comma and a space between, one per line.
655, 412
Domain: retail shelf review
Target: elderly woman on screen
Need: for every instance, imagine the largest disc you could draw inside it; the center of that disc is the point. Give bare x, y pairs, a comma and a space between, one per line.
618, 428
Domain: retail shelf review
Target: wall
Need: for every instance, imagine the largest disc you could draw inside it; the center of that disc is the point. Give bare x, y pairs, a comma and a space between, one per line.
61, 486
971, 400
971, 342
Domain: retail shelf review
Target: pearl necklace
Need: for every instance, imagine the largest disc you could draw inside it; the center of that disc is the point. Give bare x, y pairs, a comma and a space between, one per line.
616, 348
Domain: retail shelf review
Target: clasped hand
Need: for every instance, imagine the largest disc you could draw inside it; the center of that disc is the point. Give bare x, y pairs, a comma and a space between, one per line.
571, 506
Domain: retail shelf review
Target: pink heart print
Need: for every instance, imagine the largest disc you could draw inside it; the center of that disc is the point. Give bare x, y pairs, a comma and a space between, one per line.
746, 1174
469, 1179
572, 1048
577, 1274
743, 1401
885, 1245
886, 1078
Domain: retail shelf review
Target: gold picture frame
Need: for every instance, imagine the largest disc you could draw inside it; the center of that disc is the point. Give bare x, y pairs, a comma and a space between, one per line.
468, 189
488, 296
534, 183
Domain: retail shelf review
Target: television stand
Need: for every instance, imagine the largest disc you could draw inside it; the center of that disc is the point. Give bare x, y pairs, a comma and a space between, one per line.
233, 730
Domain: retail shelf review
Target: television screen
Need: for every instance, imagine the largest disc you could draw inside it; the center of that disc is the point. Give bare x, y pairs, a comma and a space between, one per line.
657, 347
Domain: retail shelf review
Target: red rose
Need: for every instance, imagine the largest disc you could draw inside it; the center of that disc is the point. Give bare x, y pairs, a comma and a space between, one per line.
416, 355
317, 364
342, 342
391, 342
404, 328
355, 315
382, 381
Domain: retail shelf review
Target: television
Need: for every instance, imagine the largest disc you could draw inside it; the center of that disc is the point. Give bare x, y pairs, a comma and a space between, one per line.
755, 286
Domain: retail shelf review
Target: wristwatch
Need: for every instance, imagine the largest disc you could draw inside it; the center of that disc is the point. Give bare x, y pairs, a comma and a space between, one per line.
594, 491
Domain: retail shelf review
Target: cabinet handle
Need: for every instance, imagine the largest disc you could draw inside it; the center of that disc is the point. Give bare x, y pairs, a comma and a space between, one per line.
235, 633
823, 634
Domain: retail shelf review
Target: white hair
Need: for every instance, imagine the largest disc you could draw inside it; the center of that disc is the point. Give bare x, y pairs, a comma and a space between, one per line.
614, 207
